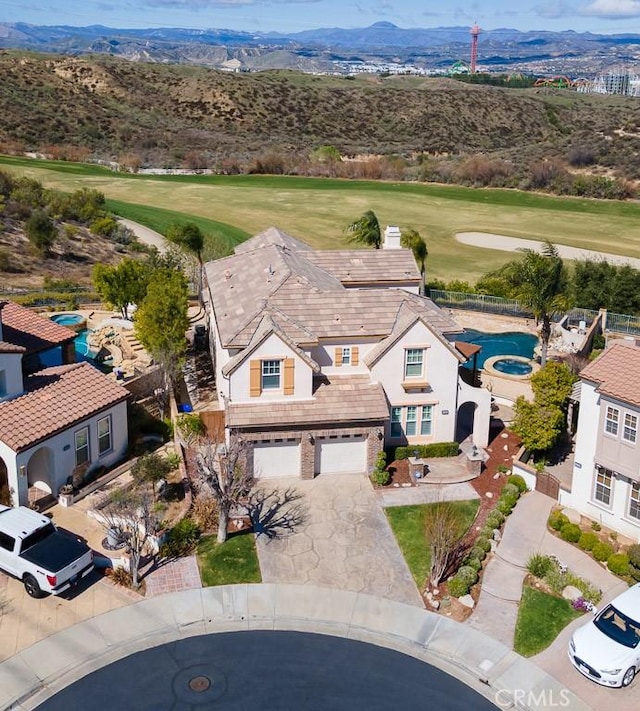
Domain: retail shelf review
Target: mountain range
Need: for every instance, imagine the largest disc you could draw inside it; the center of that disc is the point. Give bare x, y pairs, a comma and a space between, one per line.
333, 49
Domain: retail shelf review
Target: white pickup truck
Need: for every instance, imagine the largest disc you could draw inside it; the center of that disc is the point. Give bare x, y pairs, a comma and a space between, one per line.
34, 551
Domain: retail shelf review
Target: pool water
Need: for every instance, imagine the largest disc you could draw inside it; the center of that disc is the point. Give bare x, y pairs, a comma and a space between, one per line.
499, 344
67, 319
84, 352
512, 367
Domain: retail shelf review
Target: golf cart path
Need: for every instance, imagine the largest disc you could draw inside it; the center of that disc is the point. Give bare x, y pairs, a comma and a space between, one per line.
512, 244
146, 235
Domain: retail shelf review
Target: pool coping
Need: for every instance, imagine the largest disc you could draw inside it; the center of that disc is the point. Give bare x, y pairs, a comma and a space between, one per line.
488, 367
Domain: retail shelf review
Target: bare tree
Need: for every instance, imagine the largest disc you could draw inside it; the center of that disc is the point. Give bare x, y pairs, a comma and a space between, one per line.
444, 532
222, 469
129, 513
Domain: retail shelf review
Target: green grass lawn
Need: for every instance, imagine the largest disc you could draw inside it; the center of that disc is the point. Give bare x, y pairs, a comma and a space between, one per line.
234, 561
407, 523
317, 210
541, 618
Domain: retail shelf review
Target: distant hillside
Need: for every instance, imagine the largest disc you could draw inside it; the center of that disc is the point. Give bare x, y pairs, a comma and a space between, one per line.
174, 115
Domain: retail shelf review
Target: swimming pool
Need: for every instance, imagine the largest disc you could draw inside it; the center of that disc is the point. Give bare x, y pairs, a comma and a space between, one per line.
70, 320
499, 344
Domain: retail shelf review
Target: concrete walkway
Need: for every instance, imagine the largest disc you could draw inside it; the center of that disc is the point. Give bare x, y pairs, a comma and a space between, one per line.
146, 235
496, 613
426, 494
345, 541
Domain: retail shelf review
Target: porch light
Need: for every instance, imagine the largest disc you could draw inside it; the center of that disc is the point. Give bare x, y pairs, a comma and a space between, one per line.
23, 470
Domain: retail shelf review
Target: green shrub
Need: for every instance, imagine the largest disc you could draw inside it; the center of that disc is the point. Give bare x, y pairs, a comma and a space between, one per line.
510, 491
380, 477
486, 532
437, 449
458, 587
618, 563
596, 526
468, 574
173, 459
557, 520
497, 517
635, 573
589, 592
588, 540
539, 564
518, 481
510, 497
601, 551
556, 580
181, 539
633, 552
484, 543
478, 552
473, 562
505, 507
570, 532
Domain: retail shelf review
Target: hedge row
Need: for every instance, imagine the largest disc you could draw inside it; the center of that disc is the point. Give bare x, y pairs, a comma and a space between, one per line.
437, 449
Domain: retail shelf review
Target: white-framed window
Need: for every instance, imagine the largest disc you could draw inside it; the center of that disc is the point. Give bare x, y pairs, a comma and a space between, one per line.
412, 420
82, 446
346, 355
611, 420
603, 486
396, 422
270, 374
426, 422
104, 435
634, 502
413, 362
630, 428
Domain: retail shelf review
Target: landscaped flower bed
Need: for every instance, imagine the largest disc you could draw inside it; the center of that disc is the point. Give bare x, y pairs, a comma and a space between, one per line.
623, 561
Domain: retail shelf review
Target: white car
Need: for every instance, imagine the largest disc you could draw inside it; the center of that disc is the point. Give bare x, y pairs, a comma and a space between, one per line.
607, 649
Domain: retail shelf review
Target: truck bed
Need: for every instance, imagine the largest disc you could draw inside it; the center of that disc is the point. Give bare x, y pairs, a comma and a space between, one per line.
55, 552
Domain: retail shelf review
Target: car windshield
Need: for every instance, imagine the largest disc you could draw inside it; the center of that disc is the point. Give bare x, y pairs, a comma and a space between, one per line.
38, 535
618, 627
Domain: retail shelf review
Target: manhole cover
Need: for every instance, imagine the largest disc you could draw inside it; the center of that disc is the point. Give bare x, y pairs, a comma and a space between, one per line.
199, 683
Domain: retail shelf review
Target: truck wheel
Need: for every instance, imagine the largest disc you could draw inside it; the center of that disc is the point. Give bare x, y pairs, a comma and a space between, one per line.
32, 587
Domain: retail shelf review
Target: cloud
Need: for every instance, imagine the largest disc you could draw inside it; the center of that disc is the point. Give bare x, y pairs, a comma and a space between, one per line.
613, 9
197, 5
554, 10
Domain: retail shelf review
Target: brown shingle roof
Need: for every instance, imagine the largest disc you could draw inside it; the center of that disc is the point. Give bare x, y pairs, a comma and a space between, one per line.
271, 236
339, 399
25, 328
617, 372
10, 348
55, 399
364, 266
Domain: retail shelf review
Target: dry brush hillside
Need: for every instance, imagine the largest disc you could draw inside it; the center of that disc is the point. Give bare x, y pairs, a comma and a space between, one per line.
110, 107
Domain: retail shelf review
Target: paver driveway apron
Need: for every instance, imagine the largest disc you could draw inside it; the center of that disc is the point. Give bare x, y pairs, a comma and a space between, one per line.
345, 541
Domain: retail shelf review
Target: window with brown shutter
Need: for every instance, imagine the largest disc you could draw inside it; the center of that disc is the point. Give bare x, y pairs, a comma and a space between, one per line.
255, 375
338, 357
354, 355
289, 365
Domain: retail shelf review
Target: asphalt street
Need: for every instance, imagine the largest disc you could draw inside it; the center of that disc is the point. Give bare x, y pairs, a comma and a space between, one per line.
278, 671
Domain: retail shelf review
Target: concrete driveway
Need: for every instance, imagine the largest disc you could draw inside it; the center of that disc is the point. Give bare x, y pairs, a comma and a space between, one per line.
345, 541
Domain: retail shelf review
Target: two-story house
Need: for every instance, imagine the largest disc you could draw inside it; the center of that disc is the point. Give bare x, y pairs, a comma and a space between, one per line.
56, 419
606, 468
323, 357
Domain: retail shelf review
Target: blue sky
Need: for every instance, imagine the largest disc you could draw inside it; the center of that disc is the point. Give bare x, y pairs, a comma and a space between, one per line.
606, 16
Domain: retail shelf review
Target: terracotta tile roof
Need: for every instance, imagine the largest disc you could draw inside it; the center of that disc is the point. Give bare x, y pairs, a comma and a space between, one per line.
10, 348
617, 372
339, 399
55, 399
24, 327
364, 266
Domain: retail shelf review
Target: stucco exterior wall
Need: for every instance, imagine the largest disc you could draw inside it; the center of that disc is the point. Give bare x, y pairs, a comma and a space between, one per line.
10, 364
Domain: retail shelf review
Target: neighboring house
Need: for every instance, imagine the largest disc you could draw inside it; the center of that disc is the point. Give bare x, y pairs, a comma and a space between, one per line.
606, 469
322, 358
58, 420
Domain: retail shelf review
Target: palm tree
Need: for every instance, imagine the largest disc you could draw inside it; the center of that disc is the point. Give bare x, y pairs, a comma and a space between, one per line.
366, 230
540, 285
412, 240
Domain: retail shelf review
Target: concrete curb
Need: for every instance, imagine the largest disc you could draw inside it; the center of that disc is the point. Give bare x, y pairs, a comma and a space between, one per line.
499, 674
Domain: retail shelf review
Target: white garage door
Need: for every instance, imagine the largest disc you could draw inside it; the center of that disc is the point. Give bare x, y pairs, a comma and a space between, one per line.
271, 459
342, 455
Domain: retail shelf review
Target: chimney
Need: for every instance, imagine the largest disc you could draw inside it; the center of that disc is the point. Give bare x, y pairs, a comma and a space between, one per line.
391, 237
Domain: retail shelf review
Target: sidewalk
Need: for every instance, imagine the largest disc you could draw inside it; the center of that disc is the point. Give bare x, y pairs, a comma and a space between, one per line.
525, 533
